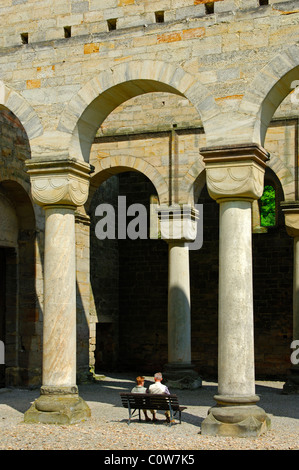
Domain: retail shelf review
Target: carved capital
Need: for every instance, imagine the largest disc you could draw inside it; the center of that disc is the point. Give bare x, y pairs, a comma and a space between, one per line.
63, 182
235, 172
175, 222
291, 216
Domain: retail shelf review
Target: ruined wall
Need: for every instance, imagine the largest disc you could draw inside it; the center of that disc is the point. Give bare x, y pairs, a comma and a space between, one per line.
206, 60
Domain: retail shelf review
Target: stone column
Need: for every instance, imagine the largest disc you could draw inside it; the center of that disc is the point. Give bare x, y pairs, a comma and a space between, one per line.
235, 178
59, 186
178, 227
291, 213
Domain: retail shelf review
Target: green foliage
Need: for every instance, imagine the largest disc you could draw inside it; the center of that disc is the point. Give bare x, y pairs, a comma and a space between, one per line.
267, 207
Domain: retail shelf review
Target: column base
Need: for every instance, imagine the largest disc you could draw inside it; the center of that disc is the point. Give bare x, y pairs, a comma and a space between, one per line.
292, 384
58, 406
236, 418
181, 376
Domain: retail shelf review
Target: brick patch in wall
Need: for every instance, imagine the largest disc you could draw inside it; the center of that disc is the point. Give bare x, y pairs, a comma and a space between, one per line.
30, 84
91, 48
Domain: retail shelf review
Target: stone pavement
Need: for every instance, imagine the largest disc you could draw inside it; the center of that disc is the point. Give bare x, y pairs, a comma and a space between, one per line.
107, 429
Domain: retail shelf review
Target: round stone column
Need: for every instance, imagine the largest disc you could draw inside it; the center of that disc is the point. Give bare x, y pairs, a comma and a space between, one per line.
235, 314
179, 371
59, 186
178, 225
235, 179
179, 326
291, 213
59, 328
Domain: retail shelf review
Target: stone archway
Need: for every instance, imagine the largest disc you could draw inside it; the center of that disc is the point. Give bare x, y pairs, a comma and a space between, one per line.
110, 166
13, 101
102, 94
269, 88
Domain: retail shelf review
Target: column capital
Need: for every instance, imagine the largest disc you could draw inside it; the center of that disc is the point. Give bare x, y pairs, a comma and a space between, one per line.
59, 182
176, 223
235, 172
290, 210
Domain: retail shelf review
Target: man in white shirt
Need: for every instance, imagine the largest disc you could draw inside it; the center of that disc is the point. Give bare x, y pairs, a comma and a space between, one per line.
158, 387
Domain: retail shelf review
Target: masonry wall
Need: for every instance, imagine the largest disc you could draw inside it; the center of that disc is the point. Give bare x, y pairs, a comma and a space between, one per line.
46, 20
50, 52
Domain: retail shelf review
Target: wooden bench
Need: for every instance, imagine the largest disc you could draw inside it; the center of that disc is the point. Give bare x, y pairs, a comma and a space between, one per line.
151, 401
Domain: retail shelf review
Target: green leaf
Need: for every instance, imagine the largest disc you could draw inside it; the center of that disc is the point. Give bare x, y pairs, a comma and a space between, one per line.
267, 207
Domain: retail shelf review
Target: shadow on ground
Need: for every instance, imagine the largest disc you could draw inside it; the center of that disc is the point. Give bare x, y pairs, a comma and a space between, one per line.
106, 391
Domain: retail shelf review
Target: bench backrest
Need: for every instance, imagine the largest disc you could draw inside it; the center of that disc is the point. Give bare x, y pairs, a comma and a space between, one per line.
149, 401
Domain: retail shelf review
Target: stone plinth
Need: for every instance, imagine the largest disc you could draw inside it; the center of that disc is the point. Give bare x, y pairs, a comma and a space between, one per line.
58, 406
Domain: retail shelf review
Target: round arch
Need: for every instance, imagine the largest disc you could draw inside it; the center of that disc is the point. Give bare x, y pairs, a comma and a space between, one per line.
284, 177
269, 88
15, 103
110, 166
102, 94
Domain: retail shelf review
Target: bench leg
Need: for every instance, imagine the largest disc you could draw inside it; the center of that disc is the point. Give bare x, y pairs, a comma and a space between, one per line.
130, 413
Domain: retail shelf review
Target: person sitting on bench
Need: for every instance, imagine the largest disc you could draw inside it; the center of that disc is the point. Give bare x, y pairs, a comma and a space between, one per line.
159, 388
140, 388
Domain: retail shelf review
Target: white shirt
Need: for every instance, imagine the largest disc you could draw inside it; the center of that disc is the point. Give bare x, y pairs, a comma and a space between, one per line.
157, 387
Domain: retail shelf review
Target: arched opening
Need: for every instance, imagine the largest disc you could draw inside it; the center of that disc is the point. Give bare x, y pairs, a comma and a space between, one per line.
19, 315
272, 246
128, 279
272, 287
142, 149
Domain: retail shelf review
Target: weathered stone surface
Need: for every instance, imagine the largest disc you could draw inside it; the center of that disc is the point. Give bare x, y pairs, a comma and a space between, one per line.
115, 85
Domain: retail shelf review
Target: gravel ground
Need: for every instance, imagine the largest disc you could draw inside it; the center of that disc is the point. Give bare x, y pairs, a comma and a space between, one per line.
107, 428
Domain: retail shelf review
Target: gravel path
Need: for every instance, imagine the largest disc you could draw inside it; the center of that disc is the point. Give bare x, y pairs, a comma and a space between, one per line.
107, 429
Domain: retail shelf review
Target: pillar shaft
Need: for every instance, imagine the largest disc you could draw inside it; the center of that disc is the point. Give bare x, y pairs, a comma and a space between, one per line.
59, 336
291, 213
178, 226
179, 326
236, 347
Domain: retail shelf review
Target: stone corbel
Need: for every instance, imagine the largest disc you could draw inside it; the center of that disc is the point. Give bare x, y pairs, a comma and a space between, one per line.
174, 222
235, 172
63, 182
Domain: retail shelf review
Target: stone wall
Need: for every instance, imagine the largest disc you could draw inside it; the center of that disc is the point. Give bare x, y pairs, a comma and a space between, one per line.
50, 19
209, 73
